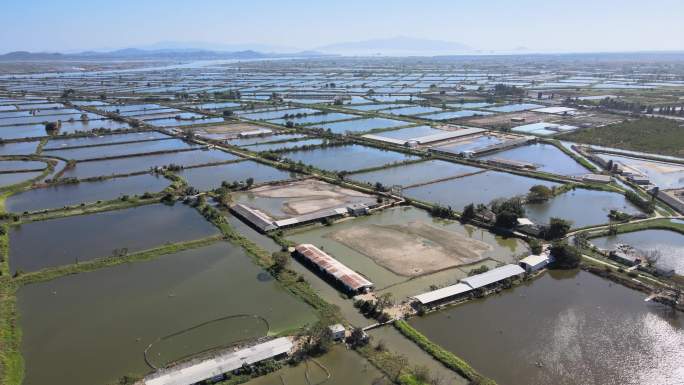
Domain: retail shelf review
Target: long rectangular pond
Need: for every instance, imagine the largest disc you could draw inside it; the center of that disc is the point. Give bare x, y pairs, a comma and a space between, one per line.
481, 188
347, 158
209, 178
143, 163
70, 194
83, 237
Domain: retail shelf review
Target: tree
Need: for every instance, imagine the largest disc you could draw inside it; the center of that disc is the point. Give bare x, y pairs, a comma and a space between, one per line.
319, 339
565, 256
535, 246
468, 212
357, 338
556, 229
506, 219
539, 193
281, 259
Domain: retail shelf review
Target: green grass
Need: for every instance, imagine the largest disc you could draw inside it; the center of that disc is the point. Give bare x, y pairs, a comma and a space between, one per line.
442, 355
653, 135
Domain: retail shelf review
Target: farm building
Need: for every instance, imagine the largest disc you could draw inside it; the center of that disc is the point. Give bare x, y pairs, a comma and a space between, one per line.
467, 285
445, 294
534, 263
217, 366
352, 281
337, 331
493, 276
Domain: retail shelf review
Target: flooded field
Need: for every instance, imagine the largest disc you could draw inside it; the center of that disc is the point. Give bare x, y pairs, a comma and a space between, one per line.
209, 178
382, 247
58, 143
546, 157
564, 328
361, 125
70, 194
669, 244
284, 145
18, 148
80, 238
481, 188
347, 158
144, 163
79, 330
410, 132
596, 206
21, 165
18, 177
414, 173
343, 366
67, 127
264, 139
120, 149
313, 119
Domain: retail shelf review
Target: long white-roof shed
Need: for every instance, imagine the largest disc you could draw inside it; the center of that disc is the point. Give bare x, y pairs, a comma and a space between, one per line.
443, 293
224, 363
492, 276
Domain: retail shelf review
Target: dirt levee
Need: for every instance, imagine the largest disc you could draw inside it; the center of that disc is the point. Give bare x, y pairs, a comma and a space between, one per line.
413, 249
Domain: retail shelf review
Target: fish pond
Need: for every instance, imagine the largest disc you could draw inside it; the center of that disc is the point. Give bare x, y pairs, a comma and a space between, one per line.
83, 237
93, 328
347, 158
69, 194
570, 328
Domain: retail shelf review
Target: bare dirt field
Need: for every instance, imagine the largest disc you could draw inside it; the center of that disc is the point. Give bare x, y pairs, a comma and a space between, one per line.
413, 249
504, 120
309, 196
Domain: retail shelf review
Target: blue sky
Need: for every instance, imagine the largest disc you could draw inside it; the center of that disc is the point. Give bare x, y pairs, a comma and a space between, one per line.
551, 25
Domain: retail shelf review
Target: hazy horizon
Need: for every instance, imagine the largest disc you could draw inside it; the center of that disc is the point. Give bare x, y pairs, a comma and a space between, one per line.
532, 25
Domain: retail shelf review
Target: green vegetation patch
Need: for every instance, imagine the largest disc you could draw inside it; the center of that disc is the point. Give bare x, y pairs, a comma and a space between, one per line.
654, 135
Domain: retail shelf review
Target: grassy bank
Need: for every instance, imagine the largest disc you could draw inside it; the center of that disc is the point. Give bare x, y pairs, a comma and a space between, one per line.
442, 355
99, 263
574, 156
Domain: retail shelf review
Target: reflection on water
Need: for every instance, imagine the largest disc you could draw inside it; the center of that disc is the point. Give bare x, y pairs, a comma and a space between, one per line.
565, 328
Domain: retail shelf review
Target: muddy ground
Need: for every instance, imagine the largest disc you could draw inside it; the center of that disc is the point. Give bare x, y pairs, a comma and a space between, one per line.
413, 249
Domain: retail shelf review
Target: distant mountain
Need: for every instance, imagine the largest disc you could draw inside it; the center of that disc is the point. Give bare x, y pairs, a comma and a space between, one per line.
158, 54
24, 55
399, 46
205, 46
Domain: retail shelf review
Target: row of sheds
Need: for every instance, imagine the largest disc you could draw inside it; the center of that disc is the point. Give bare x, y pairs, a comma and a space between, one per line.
529, 264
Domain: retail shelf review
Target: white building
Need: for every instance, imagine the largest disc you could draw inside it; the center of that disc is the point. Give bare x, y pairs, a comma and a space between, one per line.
534, 263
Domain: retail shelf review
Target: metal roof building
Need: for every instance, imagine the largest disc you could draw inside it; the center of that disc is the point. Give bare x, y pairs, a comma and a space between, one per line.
493, 276
350, 279
222, 363
255, 217
442, 294
534, 262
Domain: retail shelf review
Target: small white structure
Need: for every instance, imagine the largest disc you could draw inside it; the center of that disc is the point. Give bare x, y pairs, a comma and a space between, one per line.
534, 263
338, 331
